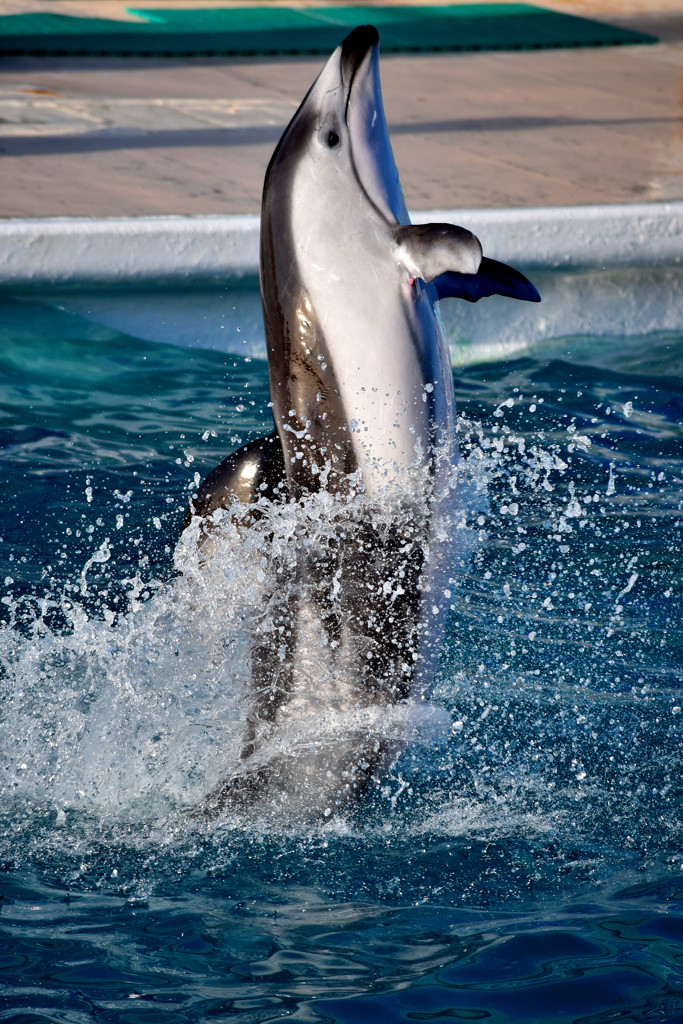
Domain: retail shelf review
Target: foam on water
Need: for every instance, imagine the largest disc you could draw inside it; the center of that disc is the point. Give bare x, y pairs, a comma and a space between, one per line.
128, 714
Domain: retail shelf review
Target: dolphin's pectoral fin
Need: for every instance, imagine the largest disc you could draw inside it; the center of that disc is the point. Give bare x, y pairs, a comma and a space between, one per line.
256, 470
428, 250
450, 258
492, 278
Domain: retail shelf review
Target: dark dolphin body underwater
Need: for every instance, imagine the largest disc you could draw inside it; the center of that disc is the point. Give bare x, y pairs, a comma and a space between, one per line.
363, 405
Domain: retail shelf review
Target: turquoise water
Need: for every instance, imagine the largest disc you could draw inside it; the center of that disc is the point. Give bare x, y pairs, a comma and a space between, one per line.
528, 868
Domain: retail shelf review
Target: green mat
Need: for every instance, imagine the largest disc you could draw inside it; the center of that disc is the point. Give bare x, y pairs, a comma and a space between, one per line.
268, 31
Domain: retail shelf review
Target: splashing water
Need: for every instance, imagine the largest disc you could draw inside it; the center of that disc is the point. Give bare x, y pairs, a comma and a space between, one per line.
125, 678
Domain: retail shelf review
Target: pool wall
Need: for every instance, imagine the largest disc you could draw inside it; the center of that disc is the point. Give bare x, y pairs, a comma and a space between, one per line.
194, 280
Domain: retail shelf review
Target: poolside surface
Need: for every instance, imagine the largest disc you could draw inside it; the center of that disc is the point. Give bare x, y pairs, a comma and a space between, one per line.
121, 137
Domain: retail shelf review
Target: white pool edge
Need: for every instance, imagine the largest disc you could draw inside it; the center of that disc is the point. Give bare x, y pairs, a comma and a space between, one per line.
214, 249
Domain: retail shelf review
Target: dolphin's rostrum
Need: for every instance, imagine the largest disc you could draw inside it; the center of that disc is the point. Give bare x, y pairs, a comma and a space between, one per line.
364, 412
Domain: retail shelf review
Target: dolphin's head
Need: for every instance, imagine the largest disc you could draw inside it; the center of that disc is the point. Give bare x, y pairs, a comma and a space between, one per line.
339, 135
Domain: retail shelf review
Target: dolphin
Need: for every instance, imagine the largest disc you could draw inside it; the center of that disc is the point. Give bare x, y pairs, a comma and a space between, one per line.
364, 415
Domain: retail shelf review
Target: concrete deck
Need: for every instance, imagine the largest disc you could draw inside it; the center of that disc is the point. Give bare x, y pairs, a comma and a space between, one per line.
124, 137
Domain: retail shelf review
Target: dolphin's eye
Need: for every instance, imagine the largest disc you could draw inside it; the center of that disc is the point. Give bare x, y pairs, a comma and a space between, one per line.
333, 139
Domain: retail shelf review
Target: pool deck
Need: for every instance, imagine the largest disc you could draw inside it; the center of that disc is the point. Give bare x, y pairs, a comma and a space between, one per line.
117, 137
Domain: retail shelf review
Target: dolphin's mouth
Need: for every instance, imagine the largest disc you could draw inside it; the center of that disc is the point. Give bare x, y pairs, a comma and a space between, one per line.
354, 50
371, 152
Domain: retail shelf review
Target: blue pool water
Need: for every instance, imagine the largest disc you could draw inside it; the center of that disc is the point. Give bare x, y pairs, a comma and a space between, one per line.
529, 867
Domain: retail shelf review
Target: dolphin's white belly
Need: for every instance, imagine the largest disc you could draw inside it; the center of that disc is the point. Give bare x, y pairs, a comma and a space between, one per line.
387, 358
